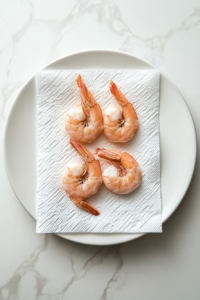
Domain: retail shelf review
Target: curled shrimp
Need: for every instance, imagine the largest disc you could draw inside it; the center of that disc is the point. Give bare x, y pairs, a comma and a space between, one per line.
123, 175
120, 123
81, 181
84, 122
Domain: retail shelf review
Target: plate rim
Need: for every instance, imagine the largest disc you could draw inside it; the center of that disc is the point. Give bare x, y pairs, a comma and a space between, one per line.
128, 238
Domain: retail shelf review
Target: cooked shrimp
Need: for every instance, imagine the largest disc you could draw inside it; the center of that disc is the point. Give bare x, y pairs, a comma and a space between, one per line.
84, 122
81, 181
120, 123
124, 174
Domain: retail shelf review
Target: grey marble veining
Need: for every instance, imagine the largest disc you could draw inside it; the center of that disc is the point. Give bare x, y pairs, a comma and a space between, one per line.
27, 267
28, 276
46, 267
101, 12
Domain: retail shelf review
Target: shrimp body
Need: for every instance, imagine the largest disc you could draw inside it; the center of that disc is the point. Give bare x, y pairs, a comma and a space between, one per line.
120, 123
81, 181
123, 175
84, 122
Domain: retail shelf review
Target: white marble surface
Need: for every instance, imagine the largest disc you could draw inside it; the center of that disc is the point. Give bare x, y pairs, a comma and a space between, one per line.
45, 267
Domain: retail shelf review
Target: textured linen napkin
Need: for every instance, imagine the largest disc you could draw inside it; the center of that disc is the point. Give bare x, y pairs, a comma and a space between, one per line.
139, 211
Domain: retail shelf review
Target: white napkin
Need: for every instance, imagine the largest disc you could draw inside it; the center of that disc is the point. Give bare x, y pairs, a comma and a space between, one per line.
139, 211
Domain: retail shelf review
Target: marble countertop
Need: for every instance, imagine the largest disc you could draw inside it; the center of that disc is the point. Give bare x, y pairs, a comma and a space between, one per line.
44, 266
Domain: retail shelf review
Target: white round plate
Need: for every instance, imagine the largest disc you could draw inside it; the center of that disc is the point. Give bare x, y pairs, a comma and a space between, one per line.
177, 139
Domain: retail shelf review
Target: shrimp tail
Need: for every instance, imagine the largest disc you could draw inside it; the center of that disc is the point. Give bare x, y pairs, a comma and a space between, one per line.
79, 81
85, 153
113, 159
118, 94
87, 100
84, 90
89, 208
85, 206
108, 154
